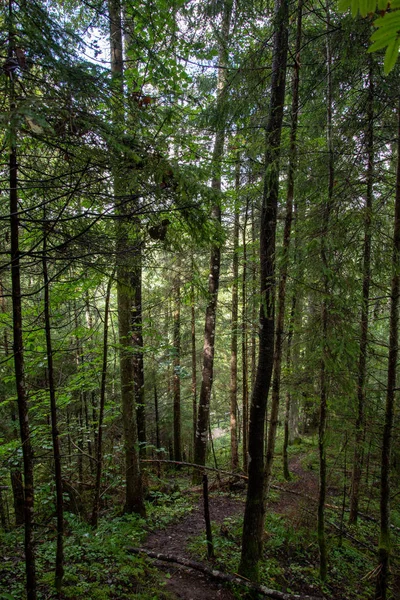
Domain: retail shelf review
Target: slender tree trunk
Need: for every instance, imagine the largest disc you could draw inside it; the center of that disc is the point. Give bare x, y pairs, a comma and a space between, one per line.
245, 374
59, 572
323, 415
253, 524
93, 399
18, 348
17, 484
200, 446
158, 441
194, 362
280, 321
99, 446
387, 440
177, 368
125, 293
288, 405
234, 331
362, 359
254, 258
137, 343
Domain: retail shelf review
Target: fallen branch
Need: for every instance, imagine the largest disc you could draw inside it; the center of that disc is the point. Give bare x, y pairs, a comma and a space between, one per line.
219, 575
193, 466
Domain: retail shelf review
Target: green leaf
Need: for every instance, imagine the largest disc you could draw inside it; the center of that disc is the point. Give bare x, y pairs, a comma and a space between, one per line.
363, 8
379, 44
391, 55
354, 8
392, 18
382, 4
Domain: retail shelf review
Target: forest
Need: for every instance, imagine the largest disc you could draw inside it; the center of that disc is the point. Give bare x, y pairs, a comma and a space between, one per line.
199, 299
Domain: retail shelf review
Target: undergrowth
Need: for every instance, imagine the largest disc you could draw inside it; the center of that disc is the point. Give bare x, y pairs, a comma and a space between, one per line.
98, 565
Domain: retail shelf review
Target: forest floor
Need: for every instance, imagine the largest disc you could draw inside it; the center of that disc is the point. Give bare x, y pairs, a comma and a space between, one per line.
102, 565
177, 538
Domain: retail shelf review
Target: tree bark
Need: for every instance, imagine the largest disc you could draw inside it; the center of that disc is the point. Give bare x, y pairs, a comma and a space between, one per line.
253, 524
137, 344
364, 321
99, 445
177, 368
18, 347
245, 370
194, 361
17, 484
384, 547
280, 321
59, 570
323, 414
203, 413
234, 331
125, 293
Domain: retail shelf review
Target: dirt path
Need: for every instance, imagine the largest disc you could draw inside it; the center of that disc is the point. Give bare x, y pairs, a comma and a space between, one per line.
175, 539
184, 583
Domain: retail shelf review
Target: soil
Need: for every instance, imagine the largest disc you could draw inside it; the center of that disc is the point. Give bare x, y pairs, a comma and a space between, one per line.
186, 583
189, 584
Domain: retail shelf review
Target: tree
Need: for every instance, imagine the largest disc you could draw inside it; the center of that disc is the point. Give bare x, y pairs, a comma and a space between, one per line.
203, 408
125, 292
253, 524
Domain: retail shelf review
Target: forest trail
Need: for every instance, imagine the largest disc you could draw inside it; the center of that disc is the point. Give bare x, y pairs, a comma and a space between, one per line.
182, 582
188, 584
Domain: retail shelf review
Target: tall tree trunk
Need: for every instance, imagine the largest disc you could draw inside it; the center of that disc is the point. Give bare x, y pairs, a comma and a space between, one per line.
125, 293
234, 330
323, 415
245, 374
384, 538
18, 348
99, 446
59, 572
288, 404
177, 368
203, 413
276, 378
137, 343
158, 441
362, 359
253, 524
17, 484
254, 259
194, 361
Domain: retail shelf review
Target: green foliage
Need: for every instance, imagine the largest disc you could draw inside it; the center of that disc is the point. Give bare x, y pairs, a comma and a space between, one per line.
98, 565
388, 26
